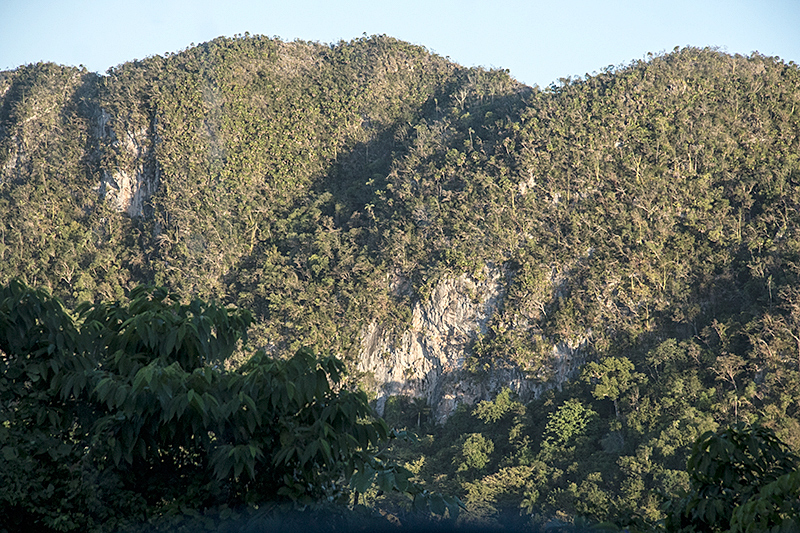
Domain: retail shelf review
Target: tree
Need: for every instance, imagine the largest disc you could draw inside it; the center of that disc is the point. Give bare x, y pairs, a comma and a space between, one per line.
41, 483
475, 453
740, 479
612, 378
777, 505
565, 425
129, 413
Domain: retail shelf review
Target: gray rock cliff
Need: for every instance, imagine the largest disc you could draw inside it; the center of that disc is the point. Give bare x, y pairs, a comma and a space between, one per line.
130, 183
428, 359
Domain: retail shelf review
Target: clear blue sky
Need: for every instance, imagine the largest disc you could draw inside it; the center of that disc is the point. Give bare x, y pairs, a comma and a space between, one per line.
538, 41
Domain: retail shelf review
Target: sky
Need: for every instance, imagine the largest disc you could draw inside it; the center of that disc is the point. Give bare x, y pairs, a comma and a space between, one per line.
537, 41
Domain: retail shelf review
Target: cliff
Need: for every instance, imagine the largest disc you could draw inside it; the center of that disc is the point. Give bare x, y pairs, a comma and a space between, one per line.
448, 231
428, 360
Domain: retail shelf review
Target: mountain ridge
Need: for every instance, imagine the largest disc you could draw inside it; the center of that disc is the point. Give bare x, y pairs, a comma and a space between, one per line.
352, 195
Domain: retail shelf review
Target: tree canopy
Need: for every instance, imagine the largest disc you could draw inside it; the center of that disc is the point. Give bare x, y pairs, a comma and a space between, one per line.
644, 222
124, 413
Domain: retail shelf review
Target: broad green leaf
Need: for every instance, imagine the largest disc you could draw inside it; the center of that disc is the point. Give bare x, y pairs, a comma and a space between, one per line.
362, 479
437, 504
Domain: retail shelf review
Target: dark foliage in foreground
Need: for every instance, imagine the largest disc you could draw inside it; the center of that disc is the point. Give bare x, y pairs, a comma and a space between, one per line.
125, 413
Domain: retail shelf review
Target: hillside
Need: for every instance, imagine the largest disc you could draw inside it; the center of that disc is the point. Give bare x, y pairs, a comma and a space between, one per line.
619, 251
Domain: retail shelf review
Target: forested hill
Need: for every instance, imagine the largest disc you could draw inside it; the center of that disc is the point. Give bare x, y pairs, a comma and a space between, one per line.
643, 219
274, 175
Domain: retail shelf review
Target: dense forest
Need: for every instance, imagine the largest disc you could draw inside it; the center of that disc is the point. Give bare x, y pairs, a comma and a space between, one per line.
644, 216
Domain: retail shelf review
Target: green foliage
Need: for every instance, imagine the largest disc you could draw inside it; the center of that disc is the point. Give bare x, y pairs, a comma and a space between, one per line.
775, 508
475, 452
568, 423
741, 479
41, 446
645, 219
128, 414
404, 412
490, 411
611, 378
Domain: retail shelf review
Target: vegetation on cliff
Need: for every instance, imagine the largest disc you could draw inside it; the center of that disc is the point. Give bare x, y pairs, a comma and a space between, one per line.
646, 216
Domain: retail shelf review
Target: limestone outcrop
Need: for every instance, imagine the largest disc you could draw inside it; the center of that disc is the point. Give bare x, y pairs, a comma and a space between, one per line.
130, 183
428, 359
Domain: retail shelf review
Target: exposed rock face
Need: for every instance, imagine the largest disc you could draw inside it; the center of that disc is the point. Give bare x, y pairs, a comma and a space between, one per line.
427, 360
128, 186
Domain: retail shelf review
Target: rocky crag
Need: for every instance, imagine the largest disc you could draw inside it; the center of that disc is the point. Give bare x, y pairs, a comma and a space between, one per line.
428, 360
